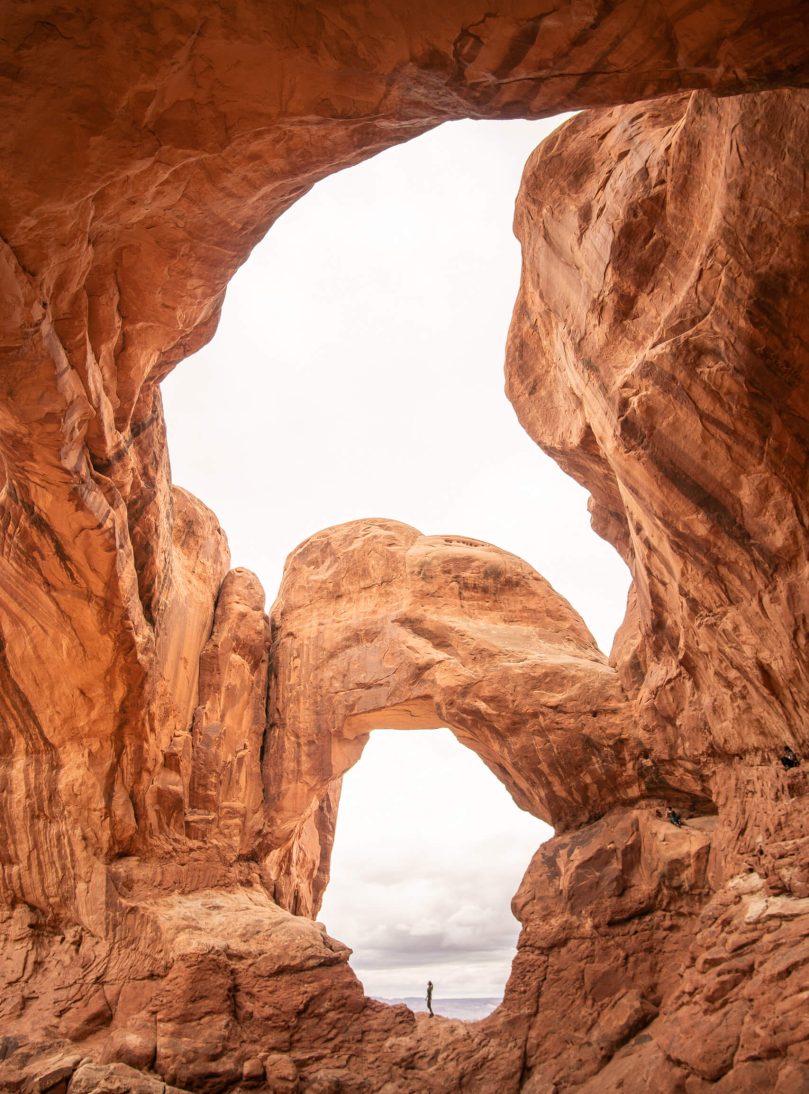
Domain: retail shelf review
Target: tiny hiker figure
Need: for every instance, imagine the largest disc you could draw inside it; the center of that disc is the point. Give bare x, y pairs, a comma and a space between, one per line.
789, 759
675, 817
430, 997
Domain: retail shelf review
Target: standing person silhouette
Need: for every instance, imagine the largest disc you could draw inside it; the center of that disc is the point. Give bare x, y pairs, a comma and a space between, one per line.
430, 997
675, 818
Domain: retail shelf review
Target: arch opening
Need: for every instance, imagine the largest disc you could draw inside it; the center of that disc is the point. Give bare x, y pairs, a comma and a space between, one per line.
429, 851
359, 360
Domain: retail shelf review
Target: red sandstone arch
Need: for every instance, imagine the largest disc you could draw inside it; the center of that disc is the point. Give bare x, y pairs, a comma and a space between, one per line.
128, 202
377, 626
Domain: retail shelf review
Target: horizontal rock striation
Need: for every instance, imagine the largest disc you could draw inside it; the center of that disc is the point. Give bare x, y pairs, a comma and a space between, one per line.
158, 820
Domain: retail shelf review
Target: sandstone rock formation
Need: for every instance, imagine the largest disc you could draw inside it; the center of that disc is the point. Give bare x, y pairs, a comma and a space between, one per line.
148, 811
662, 316
653, 334
379, 627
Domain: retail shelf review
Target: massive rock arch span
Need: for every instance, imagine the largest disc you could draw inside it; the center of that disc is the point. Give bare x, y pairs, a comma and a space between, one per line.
665, 367
379, 627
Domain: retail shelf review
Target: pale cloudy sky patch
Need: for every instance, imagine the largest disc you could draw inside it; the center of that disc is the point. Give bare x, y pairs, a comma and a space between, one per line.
423, 891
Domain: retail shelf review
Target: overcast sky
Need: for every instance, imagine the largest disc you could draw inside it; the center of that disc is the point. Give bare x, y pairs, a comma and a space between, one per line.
425, 865
358, 372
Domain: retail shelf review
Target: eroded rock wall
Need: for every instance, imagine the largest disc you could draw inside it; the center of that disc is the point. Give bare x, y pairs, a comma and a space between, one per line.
663, 315
659, 352
144, 153
167, 141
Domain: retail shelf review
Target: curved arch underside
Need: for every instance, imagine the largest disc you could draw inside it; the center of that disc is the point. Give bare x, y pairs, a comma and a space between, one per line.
150, 808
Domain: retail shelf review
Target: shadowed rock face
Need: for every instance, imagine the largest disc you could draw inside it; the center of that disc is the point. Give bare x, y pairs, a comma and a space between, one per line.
149, 811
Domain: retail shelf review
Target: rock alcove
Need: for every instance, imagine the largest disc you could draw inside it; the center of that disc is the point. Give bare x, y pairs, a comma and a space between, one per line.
657, 351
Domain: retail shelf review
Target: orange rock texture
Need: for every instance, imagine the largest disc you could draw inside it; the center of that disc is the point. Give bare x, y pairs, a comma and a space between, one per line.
658, 351
377, 626
170, 762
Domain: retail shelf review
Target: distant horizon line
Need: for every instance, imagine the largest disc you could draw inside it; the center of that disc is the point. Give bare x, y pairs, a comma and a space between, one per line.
467, 998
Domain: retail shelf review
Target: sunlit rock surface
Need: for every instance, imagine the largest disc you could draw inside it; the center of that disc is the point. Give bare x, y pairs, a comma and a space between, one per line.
659, 352
147, 813
379, 627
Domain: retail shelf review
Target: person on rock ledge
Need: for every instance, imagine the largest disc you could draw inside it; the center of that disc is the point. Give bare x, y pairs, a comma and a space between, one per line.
675, 818
789, 759
430, 997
